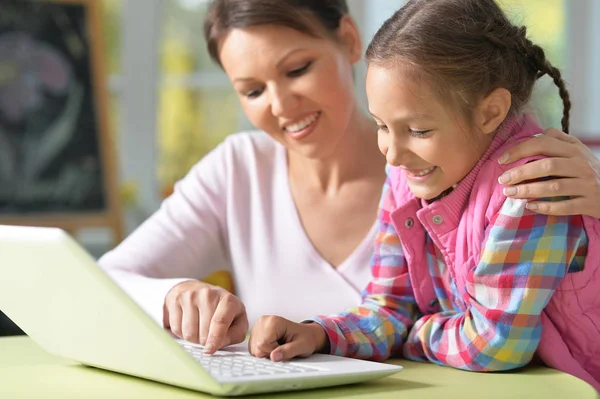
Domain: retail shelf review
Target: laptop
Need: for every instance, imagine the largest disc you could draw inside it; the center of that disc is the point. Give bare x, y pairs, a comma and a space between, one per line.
55, 292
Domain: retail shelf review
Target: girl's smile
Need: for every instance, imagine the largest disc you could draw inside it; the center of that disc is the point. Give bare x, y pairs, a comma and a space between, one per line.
419, 175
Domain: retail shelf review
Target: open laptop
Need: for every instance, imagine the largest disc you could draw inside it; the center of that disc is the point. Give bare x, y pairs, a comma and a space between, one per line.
54, 290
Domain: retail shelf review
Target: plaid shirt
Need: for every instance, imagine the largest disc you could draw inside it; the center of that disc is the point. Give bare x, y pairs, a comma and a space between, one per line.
494, 325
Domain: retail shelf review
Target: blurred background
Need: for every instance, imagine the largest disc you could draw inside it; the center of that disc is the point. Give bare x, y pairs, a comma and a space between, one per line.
168, 104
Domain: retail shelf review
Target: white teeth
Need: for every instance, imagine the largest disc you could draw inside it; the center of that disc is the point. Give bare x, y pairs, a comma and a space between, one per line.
423, 172
303, 124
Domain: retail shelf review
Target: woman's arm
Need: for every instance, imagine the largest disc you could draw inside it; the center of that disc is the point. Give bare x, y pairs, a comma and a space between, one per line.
573, 169
184, 240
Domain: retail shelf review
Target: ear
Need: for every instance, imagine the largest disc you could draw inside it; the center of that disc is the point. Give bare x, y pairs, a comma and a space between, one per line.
349, 36
492, 110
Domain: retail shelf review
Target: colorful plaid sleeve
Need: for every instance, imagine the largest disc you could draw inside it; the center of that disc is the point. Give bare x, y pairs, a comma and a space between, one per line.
380, 325
524, 258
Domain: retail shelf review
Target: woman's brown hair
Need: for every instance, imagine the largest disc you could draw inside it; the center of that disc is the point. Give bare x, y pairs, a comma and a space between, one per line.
314, 17
467, 48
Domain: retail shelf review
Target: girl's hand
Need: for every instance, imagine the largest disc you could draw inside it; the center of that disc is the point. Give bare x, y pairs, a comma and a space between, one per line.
574, 170
280, 339
205, 314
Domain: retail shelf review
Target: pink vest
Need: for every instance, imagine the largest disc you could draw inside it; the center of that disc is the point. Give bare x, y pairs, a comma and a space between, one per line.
570, 339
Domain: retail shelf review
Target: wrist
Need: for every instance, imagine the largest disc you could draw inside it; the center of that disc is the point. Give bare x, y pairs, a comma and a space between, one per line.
318, 337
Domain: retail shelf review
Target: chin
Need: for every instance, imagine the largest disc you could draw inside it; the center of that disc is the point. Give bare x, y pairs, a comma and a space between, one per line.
426, 196
425, 193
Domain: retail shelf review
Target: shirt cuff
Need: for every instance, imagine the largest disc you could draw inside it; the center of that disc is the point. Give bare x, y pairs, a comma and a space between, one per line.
338, 345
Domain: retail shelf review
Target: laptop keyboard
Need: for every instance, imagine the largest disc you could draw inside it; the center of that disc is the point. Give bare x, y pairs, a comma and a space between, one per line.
237, 364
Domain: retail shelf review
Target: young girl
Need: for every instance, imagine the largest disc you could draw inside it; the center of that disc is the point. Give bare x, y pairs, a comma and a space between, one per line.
462, 276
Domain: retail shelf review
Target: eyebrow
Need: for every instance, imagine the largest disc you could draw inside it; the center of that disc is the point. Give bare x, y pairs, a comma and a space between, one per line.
278, 65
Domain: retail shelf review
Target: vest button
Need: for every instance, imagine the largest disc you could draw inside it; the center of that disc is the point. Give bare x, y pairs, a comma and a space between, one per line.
437, 219
409, 223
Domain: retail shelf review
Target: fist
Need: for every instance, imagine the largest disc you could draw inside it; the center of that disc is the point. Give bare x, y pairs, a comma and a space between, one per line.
280, 339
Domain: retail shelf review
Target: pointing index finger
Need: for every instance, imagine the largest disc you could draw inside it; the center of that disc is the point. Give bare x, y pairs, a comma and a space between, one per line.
219, 328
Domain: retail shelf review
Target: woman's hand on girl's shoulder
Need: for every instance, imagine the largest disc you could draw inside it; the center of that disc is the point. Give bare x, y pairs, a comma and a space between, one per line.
573, 171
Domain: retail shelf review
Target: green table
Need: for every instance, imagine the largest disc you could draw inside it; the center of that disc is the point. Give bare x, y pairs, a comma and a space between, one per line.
26, 371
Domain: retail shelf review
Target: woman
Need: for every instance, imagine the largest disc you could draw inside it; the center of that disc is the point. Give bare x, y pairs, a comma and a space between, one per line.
271, 207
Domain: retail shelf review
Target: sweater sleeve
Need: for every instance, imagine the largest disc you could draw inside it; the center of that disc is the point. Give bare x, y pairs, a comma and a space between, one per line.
185, 239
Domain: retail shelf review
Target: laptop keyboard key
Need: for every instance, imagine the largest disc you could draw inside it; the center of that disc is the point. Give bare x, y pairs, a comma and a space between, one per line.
237, 364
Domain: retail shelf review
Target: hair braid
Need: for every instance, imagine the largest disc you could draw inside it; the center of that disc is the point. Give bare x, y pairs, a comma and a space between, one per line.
535, 54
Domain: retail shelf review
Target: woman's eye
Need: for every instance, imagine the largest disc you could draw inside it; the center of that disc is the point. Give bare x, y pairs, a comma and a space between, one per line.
382, 128
418, 133
300, 71
253, 93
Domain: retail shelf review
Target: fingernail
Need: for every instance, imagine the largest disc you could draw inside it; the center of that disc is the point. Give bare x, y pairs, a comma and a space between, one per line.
505, 178
503, 158
531, 206
210, 347
510, 191
277, 357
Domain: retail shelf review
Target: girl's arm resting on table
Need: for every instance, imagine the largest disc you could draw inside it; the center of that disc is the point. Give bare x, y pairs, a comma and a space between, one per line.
524, 258
183, 240
380, 325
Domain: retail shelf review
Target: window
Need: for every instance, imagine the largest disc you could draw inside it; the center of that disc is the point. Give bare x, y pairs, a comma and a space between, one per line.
546, 22
197, 105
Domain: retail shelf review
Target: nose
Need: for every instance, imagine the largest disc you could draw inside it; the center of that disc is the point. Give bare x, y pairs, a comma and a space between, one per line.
396, 150
283, 100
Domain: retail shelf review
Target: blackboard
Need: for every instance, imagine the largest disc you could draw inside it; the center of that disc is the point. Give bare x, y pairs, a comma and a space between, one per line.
56, 159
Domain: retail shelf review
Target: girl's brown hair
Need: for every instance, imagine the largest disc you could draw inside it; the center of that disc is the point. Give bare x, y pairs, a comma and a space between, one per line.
467, 48
314, 17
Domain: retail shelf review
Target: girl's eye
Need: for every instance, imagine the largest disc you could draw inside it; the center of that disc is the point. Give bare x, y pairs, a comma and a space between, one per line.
300, 71
418, 133
382, 128
253, 93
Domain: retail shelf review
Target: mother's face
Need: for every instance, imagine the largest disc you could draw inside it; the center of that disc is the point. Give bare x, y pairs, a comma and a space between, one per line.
295, 87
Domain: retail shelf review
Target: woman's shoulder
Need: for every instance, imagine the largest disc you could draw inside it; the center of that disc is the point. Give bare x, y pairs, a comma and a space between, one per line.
245, 149
241, 160
251, 148
252, 142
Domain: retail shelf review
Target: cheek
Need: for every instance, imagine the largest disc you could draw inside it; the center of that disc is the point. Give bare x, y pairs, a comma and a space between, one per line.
334, 84
428, 149
258, 114
456, 153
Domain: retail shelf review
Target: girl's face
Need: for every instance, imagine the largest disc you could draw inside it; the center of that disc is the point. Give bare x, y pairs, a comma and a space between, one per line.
297, 88
434, 146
